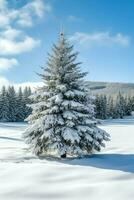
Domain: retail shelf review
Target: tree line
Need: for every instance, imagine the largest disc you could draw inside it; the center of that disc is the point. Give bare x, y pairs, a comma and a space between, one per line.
13, 105
113, 106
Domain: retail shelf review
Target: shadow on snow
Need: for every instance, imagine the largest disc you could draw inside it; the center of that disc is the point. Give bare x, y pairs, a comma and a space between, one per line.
10, 138
118, 122
121, 162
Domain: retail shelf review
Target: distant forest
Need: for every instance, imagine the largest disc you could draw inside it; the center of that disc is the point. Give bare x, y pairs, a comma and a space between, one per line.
114, 106
13, 105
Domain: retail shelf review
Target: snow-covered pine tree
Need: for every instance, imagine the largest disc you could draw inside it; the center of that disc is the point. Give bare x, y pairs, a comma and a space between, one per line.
104, 106
110, 107
127, 108
133, 103
20, 110
97, 109
27, 101
12, 104
4, 106
62, 121
101, 106
120, 106
129, 105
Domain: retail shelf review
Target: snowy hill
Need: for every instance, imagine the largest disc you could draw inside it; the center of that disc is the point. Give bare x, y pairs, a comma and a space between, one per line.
107, 175
112, 88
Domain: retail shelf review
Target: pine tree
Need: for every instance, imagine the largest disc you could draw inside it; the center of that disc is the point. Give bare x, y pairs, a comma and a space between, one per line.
104, 107
120, 106
4, 106
20, 109
12, 104
101, 106
130, 104
97, 103
110, 107
62, 121
27, 101
133, 103
128, 108
29, 92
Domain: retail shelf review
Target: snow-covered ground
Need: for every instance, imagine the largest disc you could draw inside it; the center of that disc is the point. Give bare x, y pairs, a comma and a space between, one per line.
108, 175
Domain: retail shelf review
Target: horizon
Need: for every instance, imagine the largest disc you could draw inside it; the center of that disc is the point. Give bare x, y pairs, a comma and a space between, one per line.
29, 29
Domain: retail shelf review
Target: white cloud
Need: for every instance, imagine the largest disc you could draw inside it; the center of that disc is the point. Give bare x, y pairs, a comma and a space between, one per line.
37, 7
10, 33
25, 19
11, 47
6, 63
13, 41
24, 16
4, 20
101, 38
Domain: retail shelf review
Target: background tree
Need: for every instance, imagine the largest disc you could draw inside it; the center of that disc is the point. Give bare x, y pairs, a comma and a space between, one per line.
20, 110
26, 94
110, 107
13, 104
4, 106
101, 106
120, 106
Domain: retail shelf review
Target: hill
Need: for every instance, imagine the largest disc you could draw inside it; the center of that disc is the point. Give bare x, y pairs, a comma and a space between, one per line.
112, 88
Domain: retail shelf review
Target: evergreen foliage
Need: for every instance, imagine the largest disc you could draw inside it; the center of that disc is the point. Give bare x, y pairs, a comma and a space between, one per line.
101, 106
113, 107
13, 105
4, 106
62, 122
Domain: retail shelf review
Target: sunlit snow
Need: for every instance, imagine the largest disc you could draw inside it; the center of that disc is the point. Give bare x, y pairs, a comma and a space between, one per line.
106, 175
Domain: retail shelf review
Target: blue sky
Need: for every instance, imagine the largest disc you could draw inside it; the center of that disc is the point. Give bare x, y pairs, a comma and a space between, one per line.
101, 30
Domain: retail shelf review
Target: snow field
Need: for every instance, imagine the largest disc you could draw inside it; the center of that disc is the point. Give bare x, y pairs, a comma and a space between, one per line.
106, 175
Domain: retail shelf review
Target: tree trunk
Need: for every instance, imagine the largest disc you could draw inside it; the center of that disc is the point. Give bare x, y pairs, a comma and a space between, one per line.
63, 155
